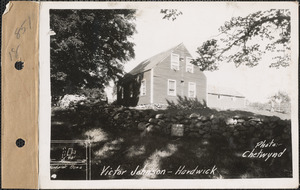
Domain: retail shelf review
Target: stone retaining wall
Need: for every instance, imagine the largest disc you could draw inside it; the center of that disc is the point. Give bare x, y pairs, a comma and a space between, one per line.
238, 130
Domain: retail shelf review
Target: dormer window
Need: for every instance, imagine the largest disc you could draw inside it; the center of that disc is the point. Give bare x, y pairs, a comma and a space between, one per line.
174, 61
189, 66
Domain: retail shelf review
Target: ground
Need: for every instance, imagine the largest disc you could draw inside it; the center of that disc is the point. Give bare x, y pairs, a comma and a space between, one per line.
125, 151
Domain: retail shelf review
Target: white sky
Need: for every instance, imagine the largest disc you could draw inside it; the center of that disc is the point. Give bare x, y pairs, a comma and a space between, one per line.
195, 26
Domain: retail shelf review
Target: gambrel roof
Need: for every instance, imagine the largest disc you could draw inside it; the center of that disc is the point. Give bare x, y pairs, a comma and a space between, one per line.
153, 61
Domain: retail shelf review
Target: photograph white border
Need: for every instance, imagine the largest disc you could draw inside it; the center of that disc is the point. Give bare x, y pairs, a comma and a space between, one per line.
45, 104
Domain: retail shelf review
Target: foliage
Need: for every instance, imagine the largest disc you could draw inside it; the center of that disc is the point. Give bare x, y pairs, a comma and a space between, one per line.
281, 97
237, 41
186, 103
89, 48
170, 14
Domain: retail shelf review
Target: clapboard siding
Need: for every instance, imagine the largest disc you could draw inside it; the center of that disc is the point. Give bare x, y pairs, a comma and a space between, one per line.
145, 99
161, 69
162, 72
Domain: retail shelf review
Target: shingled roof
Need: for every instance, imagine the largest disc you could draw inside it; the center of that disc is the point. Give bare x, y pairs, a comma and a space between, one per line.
217, 90
152, 61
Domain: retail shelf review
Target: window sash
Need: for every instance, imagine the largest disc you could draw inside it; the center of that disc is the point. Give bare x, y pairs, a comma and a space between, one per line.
143, 88
192, 90
171, 87
175, 61
189, 66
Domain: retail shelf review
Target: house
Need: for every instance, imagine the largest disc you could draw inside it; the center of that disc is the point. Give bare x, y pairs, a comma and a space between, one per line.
224, 98
162, 77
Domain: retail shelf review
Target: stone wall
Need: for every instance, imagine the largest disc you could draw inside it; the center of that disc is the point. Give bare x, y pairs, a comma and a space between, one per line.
239, 130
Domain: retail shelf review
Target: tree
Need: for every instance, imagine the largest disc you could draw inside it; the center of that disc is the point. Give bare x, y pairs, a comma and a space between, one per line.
279, 98
170, 13
243, 40
89, 48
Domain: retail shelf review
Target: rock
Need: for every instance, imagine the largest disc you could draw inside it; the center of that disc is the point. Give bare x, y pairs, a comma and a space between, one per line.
204, 118
240, 121
159, 116
121, 108
201, 132
173, 120
214, 127
231, 121
274, 119
179, 117
161, 123
194, 115
271, 125
236, 133
136, 114
240, 127
282, 123
142, 126
237, 117
194, 129
265, 120
153, 121
206, 136
199, 124
206, 128
207, 124
150, 128
193, 134
215, 120
255, 119
156, 127
146, 118
186, 121
252, 123
180, 113
226, 134
117, 116
194, 121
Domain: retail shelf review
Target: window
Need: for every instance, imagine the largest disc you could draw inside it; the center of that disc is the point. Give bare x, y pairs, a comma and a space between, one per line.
172, 87
143, 87
122, 93
192, 90
174, 61
189, 65
130, 91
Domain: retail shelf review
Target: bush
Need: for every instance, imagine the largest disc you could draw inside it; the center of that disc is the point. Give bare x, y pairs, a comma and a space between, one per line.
186, 103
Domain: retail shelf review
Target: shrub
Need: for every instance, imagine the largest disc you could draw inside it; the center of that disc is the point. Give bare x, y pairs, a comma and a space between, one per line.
187, 103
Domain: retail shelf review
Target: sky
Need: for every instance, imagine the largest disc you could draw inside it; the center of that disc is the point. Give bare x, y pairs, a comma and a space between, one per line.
197, 25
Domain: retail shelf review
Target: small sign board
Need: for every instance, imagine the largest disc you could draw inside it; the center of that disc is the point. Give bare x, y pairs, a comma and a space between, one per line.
70, 160
177, 130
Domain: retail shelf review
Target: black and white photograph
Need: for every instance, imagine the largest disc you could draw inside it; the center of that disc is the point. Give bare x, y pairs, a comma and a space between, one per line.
201, 91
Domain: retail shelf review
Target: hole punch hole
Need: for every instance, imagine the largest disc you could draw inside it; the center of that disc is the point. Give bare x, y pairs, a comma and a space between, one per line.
19, 65
20, 143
